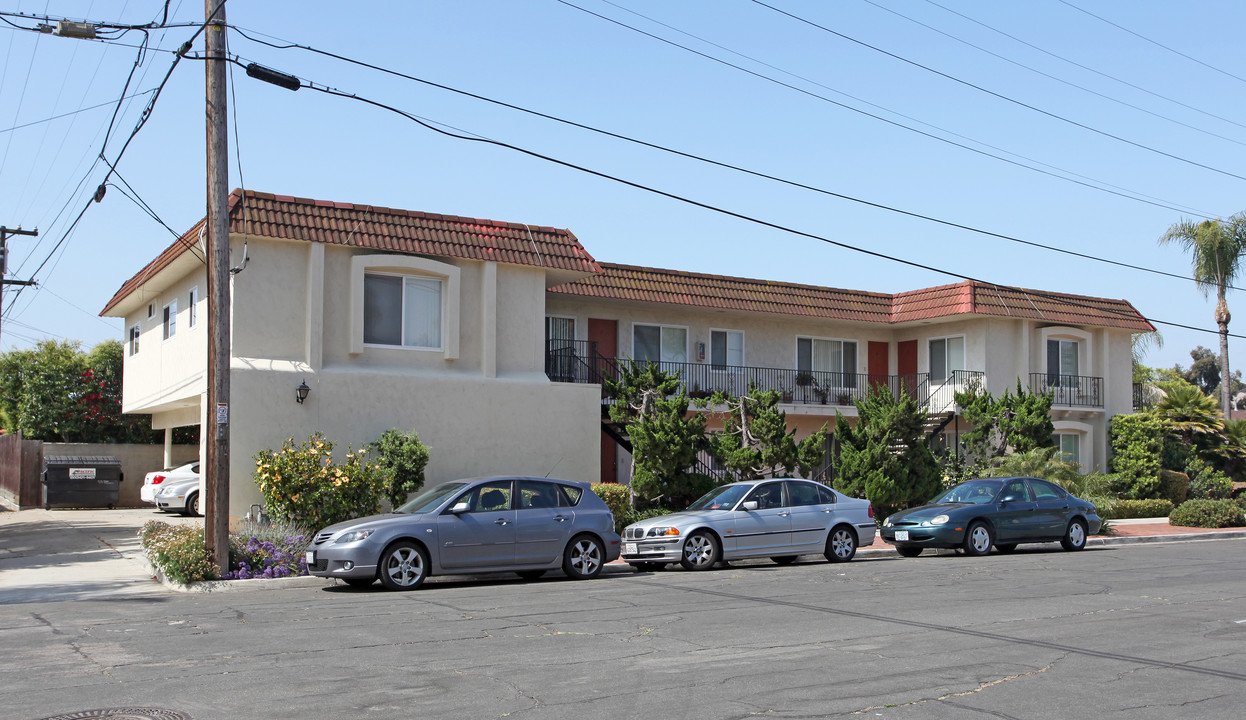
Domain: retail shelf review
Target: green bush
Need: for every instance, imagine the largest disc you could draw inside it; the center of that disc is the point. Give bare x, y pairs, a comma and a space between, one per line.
1208, 514
302, 483
617, 498
1137, 441
178, 552
1174, 486
1206, 482
631, 516
403, 457
1152, 508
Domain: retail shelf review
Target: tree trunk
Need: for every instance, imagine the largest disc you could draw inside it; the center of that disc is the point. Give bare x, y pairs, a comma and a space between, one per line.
1222, 319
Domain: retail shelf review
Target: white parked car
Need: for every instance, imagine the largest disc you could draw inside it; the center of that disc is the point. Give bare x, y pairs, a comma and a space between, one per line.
153, 480
180, 495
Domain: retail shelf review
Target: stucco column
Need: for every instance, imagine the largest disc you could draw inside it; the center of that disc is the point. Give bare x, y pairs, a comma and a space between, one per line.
168, 447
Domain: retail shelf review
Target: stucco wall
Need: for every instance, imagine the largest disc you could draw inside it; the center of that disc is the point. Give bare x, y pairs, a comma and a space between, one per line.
166, 371
136, 461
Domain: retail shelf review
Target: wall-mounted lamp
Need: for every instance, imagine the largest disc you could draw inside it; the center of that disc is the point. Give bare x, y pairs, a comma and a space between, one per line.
300, 392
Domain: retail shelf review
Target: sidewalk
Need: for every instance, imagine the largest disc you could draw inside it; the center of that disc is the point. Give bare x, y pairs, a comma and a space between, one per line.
59, 555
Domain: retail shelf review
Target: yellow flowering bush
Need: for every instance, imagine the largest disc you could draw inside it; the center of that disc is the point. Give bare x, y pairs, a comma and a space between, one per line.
302, 483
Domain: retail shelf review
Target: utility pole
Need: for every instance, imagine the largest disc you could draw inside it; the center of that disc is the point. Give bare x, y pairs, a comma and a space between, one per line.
4, 260
216, 524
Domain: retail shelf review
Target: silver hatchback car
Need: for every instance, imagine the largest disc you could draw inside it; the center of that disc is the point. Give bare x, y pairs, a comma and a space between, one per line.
779, 518
524, 525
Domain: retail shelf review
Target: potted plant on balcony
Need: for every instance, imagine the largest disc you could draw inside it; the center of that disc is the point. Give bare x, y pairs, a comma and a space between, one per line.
698, 393
804, 379
785, 394
843, 398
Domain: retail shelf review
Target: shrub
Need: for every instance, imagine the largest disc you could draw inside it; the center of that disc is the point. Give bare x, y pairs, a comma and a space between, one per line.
1174, 486
616, 498
302, 484
402, 456
630, 516
1151, 508
1137, 441
178, 552
1208, 514
267, 551
1207, 482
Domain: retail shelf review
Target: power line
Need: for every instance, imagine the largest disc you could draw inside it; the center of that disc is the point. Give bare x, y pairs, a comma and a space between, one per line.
1131, 195
1087, 68
1153, 42
1049, 76
716, 163
1001, 96
1052, 297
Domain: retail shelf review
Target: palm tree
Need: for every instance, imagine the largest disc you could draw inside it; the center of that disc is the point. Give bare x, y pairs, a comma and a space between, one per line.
1193, 415
1216, 247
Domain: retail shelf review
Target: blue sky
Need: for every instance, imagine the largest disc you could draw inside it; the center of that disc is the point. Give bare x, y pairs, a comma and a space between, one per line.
1165, 78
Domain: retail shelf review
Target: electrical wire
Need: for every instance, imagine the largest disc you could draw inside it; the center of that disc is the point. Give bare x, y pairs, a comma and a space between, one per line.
1050, 297
725, 165
1087, 68
1049, 76
1000, 96
1138, 197
147, 110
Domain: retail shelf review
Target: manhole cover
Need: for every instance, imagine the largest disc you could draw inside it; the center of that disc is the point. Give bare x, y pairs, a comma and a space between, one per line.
125, 714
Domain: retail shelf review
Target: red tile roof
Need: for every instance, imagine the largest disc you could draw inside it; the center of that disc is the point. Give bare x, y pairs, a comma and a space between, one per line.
382, 228
627, 282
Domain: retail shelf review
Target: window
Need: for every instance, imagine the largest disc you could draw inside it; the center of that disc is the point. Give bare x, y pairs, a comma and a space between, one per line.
1045, 491
659, 343
1015, 491
1062, 368
151, 310
726, 348
814, 355
170, 320
803, 494
492, 496
947, 355
135, 331
768, 496
402, 310
1070, 447
560, 355
192, 308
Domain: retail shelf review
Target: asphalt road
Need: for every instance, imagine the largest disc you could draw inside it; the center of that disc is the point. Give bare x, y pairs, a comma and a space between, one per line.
1134, 631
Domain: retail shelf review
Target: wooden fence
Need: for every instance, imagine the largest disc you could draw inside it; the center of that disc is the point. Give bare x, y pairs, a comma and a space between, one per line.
21, 462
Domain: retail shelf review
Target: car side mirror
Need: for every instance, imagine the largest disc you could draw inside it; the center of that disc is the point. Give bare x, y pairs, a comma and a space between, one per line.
459, 507
1008, 499
749, 505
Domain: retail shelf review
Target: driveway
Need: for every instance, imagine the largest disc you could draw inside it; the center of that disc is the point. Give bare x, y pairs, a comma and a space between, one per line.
58, 555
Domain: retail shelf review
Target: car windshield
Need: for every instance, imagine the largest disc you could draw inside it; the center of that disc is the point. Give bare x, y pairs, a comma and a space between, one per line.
723, 498
978, 492
429, 498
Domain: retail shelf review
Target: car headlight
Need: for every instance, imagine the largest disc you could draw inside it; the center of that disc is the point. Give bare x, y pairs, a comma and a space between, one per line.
354, 536
887, 522
663, 531
936, 520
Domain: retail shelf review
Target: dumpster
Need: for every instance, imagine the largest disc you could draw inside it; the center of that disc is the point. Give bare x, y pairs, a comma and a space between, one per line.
81, 481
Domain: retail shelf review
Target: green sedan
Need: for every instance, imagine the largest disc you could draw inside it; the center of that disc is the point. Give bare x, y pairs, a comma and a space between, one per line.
1003, 512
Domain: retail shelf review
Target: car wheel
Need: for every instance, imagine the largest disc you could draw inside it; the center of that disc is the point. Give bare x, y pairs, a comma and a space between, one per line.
583, 558
841, 544
783, 559
700, 551
359, 582
1075, 536
404, 565
908, 550
978, 539
1005, 548
530, 574
648, 566
192, 505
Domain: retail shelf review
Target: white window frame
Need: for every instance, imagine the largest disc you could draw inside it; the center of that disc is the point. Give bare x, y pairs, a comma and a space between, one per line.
1068, 334
661, 327
151, 310
951, 371
168, 320
132, 341
727, 360
1085, 443
856, 355
441, 294
451, 285
192, 307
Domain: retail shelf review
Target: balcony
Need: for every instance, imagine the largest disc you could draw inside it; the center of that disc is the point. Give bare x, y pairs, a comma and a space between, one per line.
1069, 390
577, 361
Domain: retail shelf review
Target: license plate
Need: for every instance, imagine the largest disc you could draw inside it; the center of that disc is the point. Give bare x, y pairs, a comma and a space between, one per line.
901, 535
629, 548
311, 557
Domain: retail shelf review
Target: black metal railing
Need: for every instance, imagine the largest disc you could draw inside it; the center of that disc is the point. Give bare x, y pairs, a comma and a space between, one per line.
1069, 390
578, 361
1140, 402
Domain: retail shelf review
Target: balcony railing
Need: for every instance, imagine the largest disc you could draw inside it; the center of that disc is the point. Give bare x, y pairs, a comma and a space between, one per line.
1069, 390
577, 361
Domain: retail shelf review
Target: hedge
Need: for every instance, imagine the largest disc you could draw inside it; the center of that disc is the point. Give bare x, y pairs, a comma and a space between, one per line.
1208, 514
1122, 509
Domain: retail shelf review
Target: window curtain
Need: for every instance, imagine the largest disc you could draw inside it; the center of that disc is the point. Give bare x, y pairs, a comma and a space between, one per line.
421, 312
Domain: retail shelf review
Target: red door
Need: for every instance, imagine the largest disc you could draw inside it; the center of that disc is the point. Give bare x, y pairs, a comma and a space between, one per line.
906, 364
606, 334
879, 359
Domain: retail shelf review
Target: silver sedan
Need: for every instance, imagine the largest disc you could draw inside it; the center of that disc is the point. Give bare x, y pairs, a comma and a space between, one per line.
503, 524
778, 518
